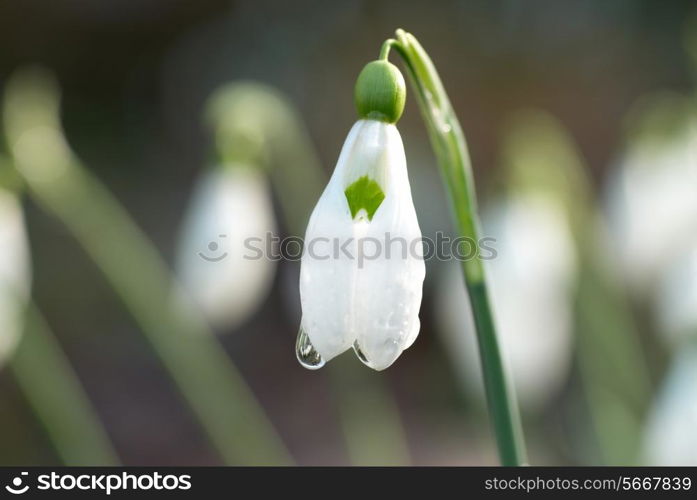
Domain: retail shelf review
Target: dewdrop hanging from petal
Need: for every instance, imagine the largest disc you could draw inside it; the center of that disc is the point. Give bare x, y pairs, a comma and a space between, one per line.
365, 298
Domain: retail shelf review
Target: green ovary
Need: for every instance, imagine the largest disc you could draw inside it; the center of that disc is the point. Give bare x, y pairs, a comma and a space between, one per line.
364, 194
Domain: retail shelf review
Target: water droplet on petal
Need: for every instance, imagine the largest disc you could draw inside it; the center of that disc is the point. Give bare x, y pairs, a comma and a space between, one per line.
306, 353
359, 353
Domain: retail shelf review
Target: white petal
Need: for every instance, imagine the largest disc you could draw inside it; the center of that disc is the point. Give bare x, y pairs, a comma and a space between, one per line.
327, 275
15, 272
670, 436
369, 298
391, 267
218, 264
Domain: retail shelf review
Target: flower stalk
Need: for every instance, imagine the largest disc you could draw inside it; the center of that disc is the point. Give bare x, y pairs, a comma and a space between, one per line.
450, 148
59, 400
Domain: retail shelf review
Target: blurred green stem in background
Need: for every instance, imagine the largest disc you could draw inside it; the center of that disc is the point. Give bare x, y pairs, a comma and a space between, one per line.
254, 124
370, 417
540, 157
450, 148
225, 406
54, 392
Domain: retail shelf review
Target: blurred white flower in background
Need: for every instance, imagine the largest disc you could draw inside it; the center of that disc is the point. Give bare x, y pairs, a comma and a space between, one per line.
652, 201
532, 279
652, 206
671, 436
222, 261
676, 301
671, 433
15, 272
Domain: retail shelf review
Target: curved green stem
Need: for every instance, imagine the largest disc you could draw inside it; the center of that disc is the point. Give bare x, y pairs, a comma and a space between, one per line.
213, 387
385, 49
54, 392
451, 152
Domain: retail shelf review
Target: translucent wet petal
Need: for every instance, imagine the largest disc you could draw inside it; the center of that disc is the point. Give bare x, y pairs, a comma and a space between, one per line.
369, 297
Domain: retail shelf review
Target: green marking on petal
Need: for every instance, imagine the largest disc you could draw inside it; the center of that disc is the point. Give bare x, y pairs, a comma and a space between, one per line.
364, 194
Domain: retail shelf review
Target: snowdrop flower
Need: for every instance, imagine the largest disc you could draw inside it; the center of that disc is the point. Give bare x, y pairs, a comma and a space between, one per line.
652, 204
230, 209
671, 434
355, 288
15, 272
532, 277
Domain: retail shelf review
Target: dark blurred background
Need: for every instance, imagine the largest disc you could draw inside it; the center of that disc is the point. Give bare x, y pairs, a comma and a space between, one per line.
135, 76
